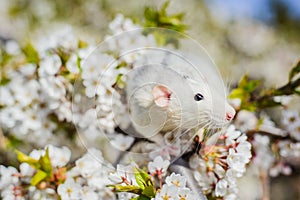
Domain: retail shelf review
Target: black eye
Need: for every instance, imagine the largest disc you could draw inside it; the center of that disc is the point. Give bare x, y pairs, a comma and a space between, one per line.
198, 97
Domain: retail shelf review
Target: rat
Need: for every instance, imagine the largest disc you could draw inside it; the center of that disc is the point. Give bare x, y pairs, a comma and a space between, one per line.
170, 100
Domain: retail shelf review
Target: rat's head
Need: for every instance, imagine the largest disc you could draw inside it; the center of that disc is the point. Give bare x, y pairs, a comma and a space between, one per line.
165, 98
198, 105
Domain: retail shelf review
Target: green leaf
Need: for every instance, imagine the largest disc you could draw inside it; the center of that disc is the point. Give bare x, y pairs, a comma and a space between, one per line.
297, 92
247, 85
4, 81
31, 53
12, 141
5, 57
294, 71
141, 197
45, 163
139, 179
82, 44
128, 188
27, 159
119, 81
160, 19
252, 85
143, 178
246, 91
250, 106
236, 93
149, 15
38, 177
164, 7
78, 62
149, 191
146, 177
243, 81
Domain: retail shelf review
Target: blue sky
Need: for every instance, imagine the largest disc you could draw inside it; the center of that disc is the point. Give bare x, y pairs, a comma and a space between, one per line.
259, 9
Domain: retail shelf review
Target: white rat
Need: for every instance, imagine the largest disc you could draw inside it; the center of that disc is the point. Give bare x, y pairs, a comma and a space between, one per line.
172, 99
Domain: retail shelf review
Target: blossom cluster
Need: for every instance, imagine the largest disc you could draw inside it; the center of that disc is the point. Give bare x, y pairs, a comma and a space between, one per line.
221, 164
174, 186
86, 180
43, 87
291, 123
21, 184
272, 155
39, 87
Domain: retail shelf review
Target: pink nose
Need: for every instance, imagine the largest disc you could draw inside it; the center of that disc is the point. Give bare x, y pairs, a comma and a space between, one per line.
229, 116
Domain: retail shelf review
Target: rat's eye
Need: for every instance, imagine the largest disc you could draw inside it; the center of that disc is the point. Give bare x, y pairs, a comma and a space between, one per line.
198, 97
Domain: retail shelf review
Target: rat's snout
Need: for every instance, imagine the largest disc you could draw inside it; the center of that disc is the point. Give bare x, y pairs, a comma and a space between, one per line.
230, 115
230, 112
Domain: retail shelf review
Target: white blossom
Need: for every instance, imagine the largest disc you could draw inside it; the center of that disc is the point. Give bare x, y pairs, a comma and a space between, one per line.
89, 193
69, 190
28, 69
50, 65
37, 153
123, 174
98, 72
12, 47
26, 170
245, 120
167, 192
158, 166
12, 192
63, 37
231, 135
165, 151
59, 156
122, 142
7, 98
290, 118
221, 188
294, 131
264, 158
8, 176
237, 161
284, 100
176, 179
72, 65
186, 194
120, 24
89, 163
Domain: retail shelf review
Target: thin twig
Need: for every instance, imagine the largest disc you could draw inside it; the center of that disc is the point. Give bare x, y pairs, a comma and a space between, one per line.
2, 140
267, 99
265, 185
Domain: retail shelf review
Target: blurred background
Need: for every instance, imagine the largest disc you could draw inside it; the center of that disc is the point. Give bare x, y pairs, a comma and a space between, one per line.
259, 37
253, 36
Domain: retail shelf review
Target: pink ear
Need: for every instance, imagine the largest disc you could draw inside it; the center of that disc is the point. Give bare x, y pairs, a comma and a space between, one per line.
161, 95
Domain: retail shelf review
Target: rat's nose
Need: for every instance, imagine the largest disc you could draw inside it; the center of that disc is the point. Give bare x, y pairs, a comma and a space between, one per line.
229, 116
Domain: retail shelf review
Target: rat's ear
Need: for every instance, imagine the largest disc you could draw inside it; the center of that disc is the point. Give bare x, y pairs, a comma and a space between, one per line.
161, 95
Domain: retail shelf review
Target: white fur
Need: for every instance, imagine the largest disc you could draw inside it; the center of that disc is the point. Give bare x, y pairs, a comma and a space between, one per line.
183, 112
